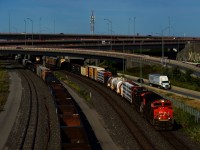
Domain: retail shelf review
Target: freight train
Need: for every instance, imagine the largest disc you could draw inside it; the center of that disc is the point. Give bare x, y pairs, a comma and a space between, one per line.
156, 109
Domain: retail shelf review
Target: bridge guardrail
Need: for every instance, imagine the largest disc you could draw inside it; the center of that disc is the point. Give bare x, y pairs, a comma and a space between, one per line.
106, 53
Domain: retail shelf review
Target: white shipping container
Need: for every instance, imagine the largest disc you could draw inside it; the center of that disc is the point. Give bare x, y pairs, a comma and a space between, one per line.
83, 71
126, 89
103, 76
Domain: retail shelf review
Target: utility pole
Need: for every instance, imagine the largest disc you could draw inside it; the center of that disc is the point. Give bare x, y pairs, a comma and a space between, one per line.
92, 19
110, 32
9, 22
169, 25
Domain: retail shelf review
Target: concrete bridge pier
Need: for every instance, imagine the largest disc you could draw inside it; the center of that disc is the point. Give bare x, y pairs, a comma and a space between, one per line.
92, 62
43, 61
131, 62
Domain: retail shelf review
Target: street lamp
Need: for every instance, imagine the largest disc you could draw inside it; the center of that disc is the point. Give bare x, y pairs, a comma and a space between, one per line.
134, 29
162, 59
123, 56
141, 59
108, 27
129, 25
9, 22
40, 25
134, 26
110, 31
32, 28
25, 32
54, 26
40, 28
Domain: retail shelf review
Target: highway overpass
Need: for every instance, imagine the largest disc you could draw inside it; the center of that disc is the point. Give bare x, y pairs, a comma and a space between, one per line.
129, 58
151, 45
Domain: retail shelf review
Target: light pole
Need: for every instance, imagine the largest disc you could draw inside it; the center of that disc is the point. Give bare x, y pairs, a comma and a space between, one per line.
162, 59
54, 26
129, 25
9, 22
108, 27
47, 30
110, 31
169, 24
141, 59
40, 28
123, 57
40, 25
25, 31
134, 25
32, 28
134, 29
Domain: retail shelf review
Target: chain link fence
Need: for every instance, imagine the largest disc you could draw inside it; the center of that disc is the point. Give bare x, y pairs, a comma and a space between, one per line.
191, 110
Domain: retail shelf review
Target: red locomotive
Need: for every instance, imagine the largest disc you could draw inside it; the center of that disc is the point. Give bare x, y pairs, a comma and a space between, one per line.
157, 110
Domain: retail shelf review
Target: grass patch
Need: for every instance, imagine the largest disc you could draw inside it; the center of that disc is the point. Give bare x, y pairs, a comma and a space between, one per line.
4, 88
82, 92
188, 124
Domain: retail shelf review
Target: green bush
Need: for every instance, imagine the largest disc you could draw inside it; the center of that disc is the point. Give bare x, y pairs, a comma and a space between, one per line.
4, 88
73, 85
183, 118
194, 133
187, 122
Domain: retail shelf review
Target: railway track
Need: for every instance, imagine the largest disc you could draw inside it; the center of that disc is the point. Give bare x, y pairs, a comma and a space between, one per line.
28, 137
175, 142
134, 129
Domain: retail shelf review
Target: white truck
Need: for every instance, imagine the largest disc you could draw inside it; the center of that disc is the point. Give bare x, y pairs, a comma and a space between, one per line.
161, 81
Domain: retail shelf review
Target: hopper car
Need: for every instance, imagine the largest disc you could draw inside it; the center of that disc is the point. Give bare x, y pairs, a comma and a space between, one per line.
72, 131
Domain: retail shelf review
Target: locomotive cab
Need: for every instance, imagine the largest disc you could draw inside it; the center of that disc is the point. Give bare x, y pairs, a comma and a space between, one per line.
162, 113
158, 111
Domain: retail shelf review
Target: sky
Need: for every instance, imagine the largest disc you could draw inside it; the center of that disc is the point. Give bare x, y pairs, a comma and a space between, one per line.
143, 17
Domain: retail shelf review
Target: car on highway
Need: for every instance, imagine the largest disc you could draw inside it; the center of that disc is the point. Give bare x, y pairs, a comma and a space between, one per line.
19, 47
140, 80
198, 65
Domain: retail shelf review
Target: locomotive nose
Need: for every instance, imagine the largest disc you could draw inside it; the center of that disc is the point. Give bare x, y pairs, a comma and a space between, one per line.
163, 114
